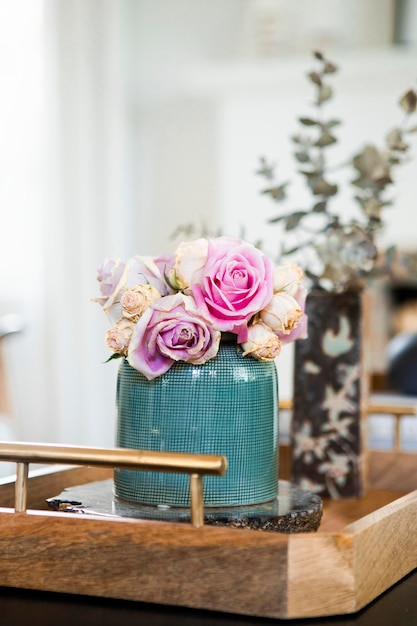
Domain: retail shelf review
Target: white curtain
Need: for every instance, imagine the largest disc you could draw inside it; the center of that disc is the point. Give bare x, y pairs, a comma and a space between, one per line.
90, 205
129, 157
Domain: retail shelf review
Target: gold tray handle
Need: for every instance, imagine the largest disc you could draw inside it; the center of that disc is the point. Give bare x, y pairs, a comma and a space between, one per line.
195, 465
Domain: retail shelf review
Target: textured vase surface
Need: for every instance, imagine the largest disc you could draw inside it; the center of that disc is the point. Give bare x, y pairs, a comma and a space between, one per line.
227, 406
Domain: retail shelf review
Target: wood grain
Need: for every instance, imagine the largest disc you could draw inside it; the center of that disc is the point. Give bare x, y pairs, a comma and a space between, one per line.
320, 575
335, 571
392, 470
385, 547
216, 568
339, 513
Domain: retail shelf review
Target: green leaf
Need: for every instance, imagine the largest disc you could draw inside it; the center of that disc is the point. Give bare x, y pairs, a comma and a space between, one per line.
315, 78
287, 251
275, 220
326, 139
330, 68
395, 140
173, 281
320, 207
330, 124
294, 219
302, 157
114, 356
307, 121
318, 163
325, 93
310, 174
277, 193
265, 169
323, 188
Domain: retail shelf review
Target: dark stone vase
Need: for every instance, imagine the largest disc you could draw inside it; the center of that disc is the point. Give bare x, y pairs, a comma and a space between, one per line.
326, 432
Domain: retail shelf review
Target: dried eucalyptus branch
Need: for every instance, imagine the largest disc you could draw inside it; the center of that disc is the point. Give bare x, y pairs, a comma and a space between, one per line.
347, 251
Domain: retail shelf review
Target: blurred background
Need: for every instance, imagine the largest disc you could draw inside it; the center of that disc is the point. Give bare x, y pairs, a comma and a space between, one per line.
121, 120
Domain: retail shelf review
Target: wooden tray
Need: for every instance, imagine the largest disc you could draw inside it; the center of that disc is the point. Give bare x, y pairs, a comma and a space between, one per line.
337, 570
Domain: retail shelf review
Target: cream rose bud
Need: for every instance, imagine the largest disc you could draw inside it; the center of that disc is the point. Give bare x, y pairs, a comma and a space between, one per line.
282, 314
117, 338
288, 278
262, 344
137, 299
190, 260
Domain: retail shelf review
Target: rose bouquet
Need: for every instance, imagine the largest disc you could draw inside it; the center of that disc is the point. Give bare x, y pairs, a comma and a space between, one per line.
176, 307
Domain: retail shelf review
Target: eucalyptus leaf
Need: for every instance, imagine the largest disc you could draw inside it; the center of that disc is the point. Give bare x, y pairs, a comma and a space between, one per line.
318, 162
277, 193
332, 123
408, 101
315, 78
395, 140
326, 139
310, 174
323, 188
320, 207
288, 251
308, 121
319, 55
275, 220
302, 157
294, 219
330, 68
325, 93
266, 169
381, 181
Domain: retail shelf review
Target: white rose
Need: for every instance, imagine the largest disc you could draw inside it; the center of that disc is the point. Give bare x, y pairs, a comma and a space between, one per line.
137, 299
262, 344
117, 338
288, 278
190, 260
138, 270
282, 314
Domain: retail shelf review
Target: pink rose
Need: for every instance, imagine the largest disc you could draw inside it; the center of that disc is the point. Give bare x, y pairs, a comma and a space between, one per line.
171, 329
237, 283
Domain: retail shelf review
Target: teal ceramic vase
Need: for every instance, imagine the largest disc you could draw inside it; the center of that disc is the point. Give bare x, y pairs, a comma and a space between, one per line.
228, 406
